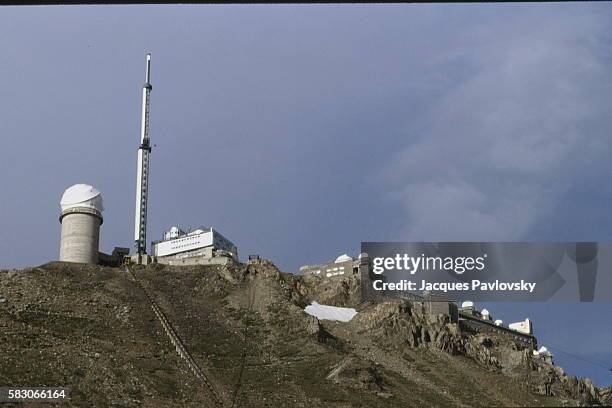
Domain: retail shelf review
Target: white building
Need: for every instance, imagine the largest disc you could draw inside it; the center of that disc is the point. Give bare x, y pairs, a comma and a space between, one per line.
194, 247
523, 327
341, 266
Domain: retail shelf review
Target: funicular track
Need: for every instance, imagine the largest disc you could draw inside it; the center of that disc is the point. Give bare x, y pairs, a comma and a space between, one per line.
177, 342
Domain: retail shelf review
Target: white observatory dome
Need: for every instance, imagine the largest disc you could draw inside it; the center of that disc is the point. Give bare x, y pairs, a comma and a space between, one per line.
544, 351
343, 258
499, 322
485, 312
467, 304
82, 195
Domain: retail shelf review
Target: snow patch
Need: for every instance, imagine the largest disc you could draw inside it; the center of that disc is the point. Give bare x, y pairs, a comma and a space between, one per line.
323, 312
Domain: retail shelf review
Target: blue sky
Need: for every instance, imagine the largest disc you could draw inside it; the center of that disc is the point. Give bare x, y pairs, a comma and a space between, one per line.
300, 131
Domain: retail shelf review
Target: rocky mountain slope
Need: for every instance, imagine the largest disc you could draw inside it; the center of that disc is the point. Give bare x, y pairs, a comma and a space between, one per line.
94, 330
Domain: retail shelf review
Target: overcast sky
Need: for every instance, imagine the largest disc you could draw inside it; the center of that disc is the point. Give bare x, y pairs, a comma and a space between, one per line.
300, 131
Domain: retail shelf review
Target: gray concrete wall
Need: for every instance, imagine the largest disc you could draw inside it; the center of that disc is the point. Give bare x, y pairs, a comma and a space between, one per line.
80, 236
115, 259
486, 326
218, 260
450, 309
204, 256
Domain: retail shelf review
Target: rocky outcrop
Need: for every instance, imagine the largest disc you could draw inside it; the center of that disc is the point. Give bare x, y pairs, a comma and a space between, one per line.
317, 331
394, 326
549, 379
343, 291
605, 396
399, 324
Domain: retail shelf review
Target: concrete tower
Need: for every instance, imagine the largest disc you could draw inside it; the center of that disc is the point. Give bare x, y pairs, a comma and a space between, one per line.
81, 218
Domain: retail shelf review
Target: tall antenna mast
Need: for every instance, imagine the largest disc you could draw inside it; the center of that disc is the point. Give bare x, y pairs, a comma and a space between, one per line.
142, 177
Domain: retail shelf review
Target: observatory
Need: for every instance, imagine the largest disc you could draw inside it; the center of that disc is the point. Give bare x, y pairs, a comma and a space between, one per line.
81, 218
203, 245
343, 264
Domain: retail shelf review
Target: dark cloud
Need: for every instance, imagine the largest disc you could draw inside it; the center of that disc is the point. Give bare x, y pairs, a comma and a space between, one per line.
505, 141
